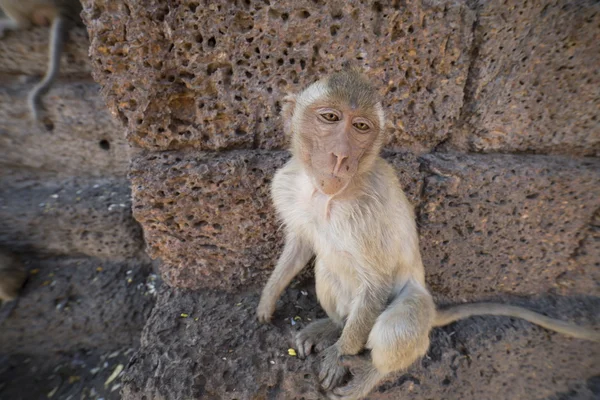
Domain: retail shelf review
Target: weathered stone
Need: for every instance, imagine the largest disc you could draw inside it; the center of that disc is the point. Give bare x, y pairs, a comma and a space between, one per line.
534, 82
488, 224
70, 217
493, 224
211, 75
71, 304
26, 52
210, 345
80, 137
209, 217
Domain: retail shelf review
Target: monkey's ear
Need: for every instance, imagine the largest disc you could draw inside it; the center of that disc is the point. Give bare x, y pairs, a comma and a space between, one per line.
287, 112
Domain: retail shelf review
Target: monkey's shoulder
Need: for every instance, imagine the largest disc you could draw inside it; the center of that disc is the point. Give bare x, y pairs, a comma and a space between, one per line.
383, 182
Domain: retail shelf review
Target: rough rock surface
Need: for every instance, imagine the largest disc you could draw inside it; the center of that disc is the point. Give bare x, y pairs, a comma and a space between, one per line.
510, 224
488, 224
209, 345
69, 217
176, 80
209, 216
533, 84
453, 71
26, 52
79, 135
69, 304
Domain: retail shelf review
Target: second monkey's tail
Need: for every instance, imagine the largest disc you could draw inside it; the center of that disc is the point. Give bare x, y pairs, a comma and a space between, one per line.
455, 313
57, 39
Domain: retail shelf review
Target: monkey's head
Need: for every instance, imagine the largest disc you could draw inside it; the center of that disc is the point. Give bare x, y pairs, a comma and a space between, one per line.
336, 126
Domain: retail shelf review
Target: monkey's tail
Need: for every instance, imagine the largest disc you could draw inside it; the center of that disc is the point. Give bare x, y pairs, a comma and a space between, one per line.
455, 313
57, 39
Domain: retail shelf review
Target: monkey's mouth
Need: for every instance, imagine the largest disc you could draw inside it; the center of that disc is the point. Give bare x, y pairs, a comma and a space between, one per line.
330, 184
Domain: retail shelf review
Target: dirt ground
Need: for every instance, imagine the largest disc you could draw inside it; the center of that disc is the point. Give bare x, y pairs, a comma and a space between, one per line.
74, 328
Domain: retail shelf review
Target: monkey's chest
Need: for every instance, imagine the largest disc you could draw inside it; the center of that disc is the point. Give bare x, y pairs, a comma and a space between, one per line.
324, 226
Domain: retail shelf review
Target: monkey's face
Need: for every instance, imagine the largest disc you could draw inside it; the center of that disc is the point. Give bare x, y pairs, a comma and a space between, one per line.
336, 128
335, 138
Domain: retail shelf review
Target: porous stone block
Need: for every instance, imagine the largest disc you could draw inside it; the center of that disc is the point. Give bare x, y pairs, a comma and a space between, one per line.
78, 136
73, 304
211, 75
488, 224
493, 224
209, 216
69, 217
26, 52
534, 81
210, 345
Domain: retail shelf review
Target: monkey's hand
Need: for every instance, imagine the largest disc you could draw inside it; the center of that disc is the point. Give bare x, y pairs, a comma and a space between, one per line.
332, 371
265, 309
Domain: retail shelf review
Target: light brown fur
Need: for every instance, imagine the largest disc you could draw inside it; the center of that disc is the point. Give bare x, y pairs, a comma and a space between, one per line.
339, 200
12, 276
25, 13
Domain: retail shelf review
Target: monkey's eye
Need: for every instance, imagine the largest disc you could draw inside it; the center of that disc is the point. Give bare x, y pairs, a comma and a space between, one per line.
331, 117
361, 126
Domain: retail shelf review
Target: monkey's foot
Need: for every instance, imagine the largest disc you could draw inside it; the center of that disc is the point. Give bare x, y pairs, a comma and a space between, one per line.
364, 378
320, 334
332, 372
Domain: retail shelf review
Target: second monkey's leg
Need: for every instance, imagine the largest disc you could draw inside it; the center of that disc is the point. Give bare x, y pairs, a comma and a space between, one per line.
399, 337
319, 334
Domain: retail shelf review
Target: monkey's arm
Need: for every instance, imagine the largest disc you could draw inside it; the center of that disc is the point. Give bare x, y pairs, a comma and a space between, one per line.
295, 256
366, 307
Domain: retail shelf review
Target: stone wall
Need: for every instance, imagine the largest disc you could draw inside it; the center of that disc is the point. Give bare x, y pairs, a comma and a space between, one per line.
493, 129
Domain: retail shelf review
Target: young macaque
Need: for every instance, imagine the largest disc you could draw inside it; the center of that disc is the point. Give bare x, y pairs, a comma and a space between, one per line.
339, 200
12, 276
24, 13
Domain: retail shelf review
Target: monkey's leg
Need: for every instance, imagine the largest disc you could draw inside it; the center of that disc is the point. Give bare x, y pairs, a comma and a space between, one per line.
320, 334
296, 254
12, 25
365, 307
399, 337
16, 20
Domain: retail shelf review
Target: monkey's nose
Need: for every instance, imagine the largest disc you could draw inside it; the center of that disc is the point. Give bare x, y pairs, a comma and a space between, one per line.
339, 158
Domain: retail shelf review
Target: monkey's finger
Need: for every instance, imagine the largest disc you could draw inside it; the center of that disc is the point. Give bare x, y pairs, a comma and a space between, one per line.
304, 347
354, 362
333, 396
344, 392
326, 378
333, 377
322, 375
263, 316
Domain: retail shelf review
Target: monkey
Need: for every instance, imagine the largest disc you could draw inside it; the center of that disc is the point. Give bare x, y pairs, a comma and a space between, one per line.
341, 202
12, 275
22, 14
